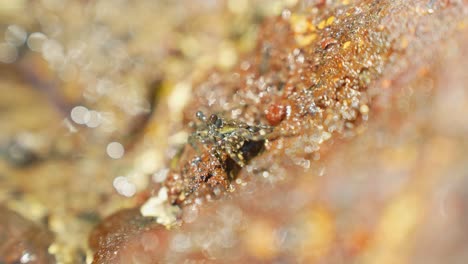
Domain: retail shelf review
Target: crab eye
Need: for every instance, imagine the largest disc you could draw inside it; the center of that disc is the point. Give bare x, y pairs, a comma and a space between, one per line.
200, 116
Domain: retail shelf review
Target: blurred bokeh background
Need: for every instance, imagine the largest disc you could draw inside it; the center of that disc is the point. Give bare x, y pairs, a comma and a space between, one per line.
79, 83
91, 102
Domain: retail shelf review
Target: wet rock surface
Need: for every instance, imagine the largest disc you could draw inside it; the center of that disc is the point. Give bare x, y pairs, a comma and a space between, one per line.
364, 145
128, 237
323, 89
76, 76
335, 132
22, 241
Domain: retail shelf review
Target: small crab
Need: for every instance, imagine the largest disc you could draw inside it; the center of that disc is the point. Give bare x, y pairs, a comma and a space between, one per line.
227, 136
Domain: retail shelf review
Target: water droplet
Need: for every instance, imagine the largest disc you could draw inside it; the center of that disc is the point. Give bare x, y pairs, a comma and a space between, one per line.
15, 35
94, 119
80, 115
124, 187
53, 52
115, 150
36, 40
